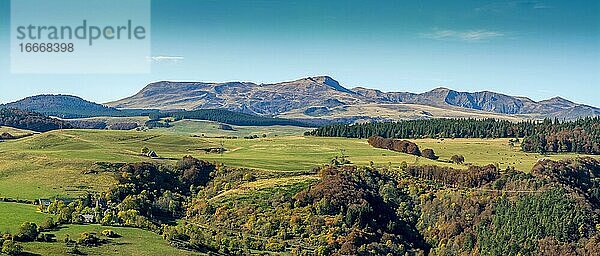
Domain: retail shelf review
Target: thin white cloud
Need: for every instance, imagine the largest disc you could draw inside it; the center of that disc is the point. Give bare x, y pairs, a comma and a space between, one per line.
162, 59
510, 6
465, 35
542, 6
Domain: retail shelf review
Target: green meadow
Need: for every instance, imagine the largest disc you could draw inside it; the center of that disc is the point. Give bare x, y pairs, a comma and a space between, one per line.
132, 241
12, 215
52, 164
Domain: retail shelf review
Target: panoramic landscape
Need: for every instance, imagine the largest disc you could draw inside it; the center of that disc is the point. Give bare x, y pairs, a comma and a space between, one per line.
95, 179
286, 128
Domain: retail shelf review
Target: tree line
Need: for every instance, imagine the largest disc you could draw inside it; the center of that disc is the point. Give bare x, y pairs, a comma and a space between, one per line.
403, 146
474, 176
30, 120
581, 136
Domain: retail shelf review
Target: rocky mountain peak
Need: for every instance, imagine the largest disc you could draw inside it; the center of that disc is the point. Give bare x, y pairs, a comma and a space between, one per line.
440, 89
558, 102
323, 82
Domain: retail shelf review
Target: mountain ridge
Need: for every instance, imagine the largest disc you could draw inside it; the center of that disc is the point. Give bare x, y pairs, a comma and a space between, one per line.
318, 97
274, 99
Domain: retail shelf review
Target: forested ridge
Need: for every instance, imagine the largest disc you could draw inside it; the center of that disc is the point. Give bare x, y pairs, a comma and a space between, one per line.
581, 136
67, 106
30, 120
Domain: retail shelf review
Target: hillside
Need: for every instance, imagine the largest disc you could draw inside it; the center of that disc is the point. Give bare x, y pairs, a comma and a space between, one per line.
15, 131
67, 106
392, 112
327, 96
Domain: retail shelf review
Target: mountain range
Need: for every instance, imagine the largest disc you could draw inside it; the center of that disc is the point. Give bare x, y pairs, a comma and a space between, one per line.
323, 97
318, 99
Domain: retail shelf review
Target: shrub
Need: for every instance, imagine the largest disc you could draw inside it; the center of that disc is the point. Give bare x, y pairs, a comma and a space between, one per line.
428, 153
274, 246
28, 231
249, 177
67, 240
458, 159
44, 237
88, 239
47, 224
109, 233
11, 247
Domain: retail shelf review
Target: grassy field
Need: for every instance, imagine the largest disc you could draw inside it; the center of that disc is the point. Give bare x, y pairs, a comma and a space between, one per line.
487, 151
301, 153
12, 215
132, 242
51, 164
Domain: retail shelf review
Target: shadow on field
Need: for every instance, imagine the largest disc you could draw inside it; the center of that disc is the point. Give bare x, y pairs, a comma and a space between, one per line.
29, 254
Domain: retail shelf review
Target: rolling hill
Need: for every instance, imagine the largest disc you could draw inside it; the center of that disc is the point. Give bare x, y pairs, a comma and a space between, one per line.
323, 97
68, 106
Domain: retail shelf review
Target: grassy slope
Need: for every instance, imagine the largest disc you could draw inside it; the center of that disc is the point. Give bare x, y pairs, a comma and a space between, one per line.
132, 242
15, 131
12, 215
487, 151
302, 153
50, 164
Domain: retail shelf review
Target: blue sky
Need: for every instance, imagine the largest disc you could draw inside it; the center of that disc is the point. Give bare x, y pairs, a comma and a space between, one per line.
538, 49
